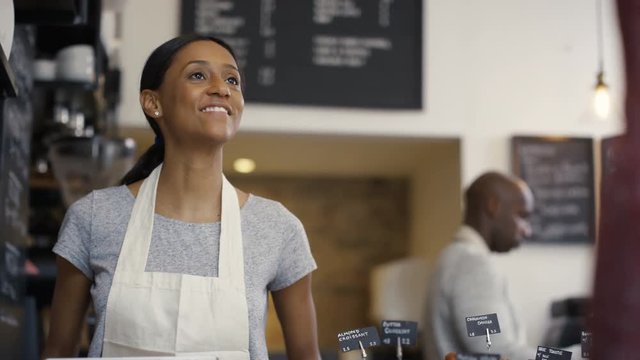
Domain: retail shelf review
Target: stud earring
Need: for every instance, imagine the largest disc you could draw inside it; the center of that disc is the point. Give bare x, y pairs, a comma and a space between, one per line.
157, 113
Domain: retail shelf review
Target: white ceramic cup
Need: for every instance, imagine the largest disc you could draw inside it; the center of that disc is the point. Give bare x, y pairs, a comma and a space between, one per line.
44, 69
76, 63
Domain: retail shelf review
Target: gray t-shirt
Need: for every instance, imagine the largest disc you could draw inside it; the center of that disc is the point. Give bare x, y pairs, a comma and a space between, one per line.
275, 245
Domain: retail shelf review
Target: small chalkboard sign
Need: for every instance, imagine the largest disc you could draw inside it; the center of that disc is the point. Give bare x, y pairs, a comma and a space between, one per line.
405, 331
585, 344
481, 325
352, 339
560, 172
547, 353
320, 52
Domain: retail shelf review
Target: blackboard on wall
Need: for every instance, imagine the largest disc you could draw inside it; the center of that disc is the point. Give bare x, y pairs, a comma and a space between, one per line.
320, 52
561, 175
15, 142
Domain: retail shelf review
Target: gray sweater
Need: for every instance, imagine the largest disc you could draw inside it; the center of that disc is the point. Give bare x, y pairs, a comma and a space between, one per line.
467, 283
275, 245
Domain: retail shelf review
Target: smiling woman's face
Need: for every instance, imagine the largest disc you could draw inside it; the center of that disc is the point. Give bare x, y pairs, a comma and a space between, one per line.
201, 96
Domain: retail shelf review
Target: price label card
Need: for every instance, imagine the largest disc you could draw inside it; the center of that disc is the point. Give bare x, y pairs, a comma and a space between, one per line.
478, 325
585, 344
477, 356
407, 331
351, 339
547, 353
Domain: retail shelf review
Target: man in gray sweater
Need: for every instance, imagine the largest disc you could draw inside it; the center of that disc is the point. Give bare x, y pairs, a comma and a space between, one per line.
467, 283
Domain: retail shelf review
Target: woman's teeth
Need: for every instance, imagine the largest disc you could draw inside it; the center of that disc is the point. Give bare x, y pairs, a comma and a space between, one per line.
214, 109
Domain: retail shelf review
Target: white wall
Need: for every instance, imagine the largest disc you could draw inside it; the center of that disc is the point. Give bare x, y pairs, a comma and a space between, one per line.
494, 68
541, 274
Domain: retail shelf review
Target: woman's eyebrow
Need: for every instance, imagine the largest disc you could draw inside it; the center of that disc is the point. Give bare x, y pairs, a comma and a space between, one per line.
204, 62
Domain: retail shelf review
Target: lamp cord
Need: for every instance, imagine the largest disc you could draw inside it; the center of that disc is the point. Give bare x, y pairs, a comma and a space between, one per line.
599, 36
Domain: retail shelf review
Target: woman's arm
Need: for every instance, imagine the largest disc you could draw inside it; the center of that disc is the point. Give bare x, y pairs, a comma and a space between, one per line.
68, 310
297, 315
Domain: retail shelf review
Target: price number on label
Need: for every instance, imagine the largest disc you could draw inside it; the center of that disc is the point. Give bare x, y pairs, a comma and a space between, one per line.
403, 341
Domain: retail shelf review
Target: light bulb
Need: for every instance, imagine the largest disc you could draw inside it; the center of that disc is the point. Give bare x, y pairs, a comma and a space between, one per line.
244, 166
602, 101
601, 98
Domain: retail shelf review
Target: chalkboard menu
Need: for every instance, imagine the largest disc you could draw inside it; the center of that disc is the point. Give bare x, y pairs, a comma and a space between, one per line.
354, 53
15, 140
560, 174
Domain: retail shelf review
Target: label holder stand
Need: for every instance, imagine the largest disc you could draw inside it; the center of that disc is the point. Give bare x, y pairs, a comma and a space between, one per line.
398, 348
363, 352
488, 339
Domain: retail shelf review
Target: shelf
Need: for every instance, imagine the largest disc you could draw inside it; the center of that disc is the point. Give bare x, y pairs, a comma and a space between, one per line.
44, 183
7, 78
62, 84
55, 12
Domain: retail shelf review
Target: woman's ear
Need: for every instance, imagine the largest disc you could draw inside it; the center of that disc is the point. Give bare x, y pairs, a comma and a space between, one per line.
150, 104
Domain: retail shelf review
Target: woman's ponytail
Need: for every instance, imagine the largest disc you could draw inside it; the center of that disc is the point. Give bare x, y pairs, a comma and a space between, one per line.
151, 158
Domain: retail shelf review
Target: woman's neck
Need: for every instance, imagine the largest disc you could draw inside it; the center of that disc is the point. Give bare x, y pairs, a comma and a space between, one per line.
190, 188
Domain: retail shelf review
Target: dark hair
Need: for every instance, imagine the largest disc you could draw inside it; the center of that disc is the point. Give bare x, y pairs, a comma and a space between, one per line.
152, 77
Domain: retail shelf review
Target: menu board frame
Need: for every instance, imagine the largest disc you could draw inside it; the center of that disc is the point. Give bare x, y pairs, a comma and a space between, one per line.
574, 200
321, 59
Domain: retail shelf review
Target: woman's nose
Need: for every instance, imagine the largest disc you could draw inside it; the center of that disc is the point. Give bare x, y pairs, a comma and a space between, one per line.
219, 87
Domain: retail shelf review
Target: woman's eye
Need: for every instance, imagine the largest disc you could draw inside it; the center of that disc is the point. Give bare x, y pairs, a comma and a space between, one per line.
233, 80
197, 76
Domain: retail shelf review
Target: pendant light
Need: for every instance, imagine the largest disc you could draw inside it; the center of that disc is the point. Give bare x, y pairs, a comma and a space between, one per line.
601, 98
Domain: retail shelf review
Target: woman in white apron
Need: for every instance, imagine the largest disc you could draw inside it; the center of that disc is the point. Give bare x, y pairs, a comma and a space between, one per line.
191, 94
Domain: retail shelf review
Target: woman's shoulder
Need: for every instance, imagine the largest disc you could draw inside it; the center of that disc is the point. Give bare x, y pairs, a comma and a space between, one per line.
95, 208
267, 207
105, 198
270, 211
113, 194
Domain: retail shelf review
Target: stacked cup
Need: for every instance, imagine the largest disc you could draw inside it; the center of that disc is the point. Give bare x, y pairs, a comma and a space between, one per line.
76, 63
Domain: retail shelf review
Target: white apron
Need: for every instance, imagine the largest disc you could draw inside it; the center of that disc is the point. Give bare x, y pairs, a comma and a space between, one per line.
156, 313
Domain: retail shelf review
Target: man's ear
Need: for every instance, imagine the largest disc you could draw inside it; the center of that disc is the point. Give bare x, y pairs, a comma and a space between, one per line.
493, 206
150, 103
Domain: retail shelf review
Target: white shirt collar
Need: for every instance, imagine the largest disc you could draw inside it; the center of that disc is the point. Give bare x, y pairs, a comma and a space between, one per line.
470, 236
